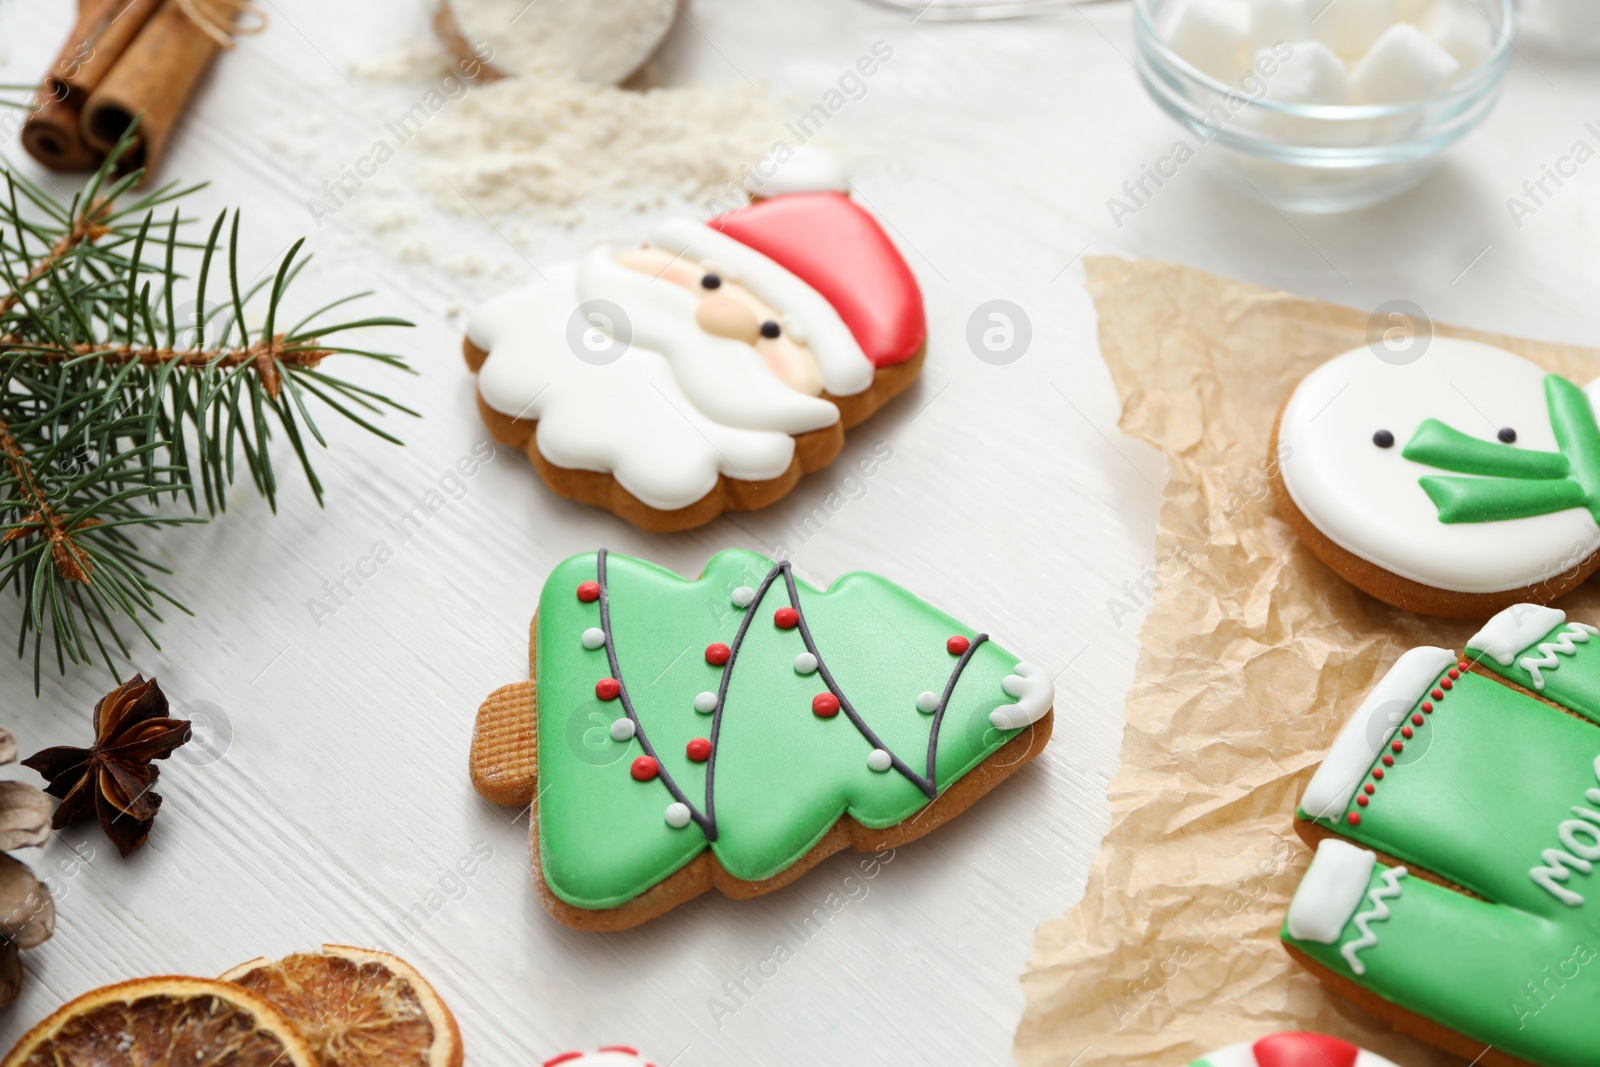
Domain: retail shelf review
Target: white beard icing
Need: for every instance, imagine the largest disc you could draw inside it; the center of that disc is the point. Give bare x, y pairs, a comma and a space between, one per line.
1368, 499
678, 408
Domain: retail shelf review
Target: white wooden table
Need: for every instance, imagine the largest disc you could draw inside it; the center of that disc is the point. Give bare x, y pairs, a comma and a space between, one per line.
328, 799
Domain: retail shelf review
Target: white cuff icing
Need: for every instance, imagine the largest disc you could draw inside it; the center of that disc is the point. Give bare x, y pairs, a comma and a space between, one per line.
1515, 629
1034, 692
846, 371
808, 170
1369, 730
1331, 892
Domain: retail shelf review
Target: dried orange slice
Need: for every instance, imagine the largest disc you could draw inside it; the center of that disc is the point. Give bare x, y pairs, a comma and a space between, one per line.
164, 1022
357, 1007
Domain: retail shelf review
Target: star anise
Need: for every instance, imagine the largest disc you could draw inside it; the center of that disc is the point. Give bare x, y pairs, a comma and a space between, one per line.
114, 777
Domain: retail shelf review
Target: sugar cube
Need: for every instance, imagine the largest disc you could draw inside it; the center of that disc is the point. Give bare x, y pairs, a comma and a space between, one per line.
1311, 75
1274, 21
1460, 30
1351, 27
1405, 65
1211, 35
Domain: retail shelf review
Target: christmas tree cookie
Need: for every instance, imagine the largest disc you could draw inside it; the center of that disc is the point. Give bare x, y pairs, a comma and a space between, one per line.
709, 366
735, 730
1457, 824
1295, 1049
1456, 483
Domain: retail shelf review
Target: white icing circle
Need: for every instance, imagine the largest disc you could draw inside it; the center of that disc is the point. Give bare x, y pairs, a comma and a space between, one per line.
677, 815
928, 703
622, 730
743, 596
594, 638
705, 703
1368, 499
879, 760
805, 663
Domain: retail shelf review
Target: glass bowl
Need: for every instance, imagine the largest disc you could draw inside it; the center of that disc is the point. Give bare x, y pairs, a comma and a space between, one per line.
1315, 157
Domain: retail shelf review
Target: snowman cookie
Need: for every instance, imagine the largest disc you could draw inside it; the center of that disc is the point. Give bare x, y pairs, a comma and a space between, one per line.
709, 367
1294, 1050
734, 730
1456, 484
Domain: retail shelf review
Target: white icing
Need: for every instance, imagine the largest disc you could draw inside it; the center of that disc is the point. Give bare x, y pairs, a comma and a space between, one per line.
1565, 644
1034, 691
1514, 629
594, 638
1331, 891
1244, 1055
705, 703
1370, 729
1377, 911
879, 760
807, 170
928, 703
677, 815
743, 596
1367, 499
805, 663
846, 371
622, 730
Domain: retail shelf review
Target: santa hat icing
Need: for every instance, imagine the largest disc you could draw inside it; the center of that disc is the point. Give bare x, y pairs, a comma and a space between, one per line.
606, 1056
1295, 1050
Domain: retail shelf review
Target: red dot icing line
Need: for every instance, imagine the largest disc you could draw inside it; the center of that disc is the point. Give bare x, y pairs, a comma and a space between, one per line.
786, 618
718, 653
957, 645
826, 705
607, 689
1406, 731
644, 768
589, 592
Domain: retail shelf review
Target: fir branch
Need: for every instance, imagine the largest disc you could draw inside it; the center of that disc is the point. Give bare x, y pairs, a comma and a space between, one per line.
111, 405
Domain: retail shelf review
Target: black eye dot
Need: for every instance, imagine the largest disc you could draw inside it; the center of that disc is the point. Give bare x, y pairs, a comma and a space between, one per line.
711, 281
1383, 439
1508, 436
770, 329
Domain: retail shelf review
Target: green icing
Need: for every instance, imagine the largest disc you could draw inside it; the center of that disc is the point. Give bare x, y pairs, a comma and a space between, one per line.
1515, 483
1568, 670
1481, 796
783, 775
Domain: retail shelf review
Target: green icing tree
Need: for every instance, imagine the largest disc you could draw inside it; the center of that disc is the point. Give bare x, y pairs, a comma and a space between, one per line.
780, 772
1498, 793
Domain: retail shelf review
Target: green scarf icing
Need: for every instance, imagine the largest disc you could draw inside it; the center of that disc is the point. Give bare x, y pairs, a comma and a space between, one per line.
783, 775
1515, 483
1481, 795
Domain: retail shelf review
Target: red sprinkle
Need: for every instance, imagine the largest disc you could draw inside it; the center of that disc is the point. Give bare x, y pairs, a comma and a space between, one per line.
1447, 684
1369, 789
589, 592
826, 705
786, 618
1417, 720
1398, 746
1406, 731
717, 654
608, 689
1437, 694
957, 645
1363, 801
1377, 772
1455, 672
1462, 665
1354, 818
644, 768
698, 750
1427, 706
1388, 760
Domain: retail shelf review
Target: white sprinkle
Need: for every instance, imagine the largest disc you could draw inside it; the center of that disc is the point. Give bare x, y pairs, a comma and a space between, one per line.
879, 760
743, 596
705, 703
677, 815
622, 729
805, 663
928, 703
594, 638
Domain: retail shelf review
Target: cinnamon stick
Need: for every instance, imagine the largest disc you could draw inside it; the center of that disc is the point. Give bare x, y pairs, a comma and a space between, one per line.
151, 81
51, 136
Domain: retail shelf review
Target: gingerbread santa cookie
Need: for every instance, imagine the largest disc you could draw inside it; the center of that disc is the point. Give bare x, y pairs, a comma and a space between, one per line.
732, 731
1457, 824
709, 367
1295, 1049
1456, 484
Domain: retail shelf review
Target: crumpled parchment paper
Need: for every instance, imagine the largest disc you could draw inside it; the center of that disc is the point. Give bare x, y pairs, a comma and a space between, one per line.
1253, 655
